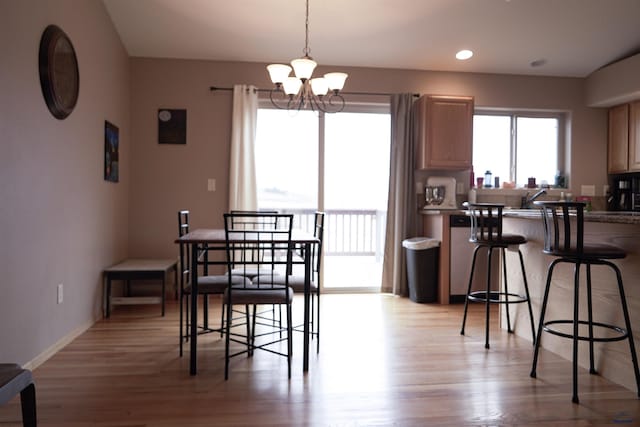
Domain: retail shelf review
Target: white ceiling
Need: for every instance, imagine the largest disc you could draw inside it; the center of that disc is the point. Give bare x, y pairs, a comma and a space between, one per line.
573, 37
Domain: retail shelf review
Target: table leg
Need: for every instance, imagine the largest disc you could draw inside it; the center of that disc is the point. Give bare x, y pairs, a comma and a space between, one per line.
108, 298
164, 280
194, 310
307, 291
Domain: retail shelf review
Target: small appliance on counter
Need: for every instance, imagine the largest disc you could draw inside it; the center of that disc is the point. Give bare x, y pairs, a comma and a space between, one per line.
626, 193
440, 193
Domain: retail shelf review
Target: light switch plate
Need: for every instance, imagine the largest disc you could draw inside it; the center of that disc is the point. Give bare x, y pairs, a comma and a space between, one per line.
211, 184
588, 190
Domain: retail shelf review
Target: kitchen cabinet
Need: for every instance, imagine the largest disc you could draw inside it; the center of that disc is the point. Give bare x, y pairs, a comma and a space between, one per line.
444, 126
624, 138
634, 136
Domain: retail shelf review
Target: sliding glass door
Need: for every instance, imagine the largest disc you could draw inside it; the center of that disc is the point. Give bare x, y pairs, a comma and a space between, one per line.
338, 163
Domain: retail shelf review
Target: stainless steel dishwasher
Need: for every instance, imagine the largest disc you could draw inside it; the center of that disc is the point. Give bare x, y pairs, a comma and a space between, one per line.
461, 254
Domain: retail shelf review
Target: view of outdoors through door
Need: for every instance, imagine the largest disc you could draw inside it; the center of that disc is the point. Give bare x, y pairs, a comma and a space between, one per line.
351, 188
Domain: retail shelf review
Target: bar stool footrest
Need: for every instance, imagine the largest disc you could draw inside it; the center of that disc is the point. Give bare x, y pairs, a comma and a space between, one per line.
496, 297
622, 333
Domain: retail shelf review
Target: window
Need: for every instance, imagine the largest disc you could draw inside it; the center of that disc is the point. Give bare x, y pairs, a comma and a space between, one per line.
338, 163
518, 146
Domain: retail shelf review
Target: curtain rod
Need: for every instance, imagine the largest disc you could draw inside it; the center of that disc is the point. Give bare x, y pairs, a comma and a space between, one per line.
417, 95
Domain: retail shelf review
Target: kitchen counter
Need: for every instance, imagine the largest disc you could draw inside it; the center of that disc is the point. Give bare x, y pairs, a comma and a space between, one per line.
612, 217
615, 228
594, 216
619, 229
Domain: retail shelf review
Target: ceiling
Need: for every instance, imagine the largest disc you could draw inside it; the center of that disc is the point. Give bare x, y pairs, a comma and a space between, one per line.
571, 38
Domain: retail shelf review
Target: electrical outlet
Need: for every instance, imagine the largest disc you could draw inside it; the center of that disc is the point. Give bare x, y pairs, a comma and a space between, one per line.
588, 190
60, 294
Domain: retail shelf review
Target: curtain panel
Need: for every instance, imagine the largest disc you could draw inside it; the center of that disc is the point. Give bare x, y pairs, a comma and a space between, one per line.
401, 215
242, 169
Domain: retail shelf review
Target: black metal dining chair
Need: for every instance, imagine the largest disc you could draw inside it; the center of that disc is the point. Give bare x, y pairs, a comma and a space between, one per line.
296, 280
207, 284
16, 380
268, 250
563, 225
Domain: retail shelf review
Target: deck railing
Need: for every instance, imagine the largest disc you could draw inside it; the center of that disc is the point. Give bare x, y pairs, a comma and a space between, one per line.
347, 232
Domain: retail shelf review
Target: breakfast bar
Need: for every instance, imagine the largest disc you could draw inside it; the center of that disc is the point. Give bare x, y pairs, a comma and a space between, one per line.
620, 229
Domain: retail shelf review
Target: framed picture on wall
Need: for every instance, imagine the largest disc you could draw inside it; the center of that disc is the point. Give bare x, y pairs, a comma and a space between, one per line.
111, 142
172, 126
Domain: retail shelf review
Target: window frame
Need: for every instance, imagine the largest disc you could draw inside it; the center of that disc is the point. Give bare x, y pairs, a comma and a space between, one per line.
560, 116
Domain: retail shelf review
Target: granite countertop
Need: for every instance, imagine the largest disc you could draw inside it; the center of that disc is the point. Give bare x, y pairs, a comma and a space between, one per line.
594, 216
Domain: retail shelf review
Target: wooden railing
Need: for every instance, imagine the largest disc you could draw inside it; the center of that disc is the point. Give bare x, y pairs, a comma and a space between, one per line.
347, 232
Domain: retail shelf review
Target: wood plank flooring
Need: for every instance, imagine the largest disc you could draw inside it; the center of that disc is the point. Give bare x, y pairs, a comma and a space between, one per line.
384, 361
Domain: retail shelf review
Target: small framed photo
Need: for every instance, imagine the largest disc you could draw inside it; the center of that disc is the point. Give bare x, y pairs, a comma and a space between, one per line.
111, 142
172, 126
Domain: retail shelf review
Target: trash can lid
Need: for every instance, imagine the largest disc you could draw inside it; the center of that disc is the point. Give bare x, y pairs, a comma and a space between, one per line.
419, 243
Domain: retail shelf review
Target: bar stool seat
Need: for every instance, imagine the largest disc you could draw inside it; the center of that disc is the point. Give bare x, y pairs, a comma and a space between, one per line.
569, 247
486, 233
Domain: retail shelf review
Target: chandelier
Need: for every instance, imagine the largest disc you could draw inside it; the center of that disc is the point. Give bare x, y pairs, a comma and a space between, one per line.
302, 91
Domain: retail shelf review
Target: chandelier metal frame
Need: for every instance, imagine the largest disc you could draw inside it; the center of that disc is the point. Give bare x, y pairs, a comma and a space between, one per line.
303, 92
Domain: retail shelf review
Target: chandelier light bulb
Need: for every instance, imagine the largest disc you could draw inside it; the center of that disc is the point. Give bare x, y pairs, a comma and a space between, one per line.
291, 85
303, 67
278, 72
319, 86
336, 80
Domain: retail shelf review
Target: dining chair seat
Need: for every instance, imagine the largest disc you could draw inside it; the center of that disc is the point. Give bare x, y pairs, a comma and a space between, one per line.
277, 295
216, 284
296, 282
249, 271
14, 380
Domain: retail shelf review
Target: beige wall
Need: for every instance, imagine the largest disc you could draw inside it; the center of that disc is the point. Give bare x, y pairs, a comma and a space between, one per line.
60, 222
168, 178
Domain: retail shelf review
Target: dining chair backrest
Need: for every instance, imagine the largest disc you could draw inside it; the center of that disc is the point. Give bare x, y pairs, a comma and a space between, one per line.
263, 247
185, 258
562, 236
318, 232
486, 222
267, 219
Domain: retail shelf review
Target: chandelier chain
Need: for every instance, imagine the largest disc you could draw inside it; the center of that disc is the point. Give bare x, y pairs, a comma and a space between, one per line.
306, 49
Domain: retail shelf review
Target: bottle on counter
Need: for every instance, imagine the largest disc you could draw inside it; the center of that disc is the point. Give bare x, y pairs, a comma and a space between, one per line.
487, 179
473, 195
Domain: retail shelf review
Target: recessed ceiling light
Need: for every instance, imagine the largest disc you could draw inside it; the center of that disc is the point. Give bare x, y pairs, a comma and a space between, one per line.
464, 54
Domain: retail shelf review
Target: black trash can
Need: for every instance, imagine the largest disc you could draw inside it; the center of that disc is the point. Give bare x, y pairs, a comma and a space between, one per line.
423, 257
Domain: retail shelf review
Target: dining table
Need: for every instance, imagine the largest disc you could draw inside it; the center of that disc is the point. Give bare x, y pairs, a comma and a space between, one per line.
215, 238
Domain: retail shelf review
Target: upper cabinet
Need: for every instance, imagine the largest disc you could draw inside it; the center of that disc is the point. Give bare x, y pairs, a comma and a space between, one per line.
624, 138
634, 136
444, 132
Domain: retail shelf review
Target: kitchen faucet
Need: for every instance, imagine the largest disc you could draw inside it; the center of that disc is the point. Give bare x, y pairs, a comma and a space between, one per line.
526, 200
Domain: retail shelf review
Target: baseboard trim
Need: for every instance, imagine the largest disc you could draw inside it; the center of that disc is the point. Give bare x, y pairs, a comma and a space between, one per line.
59, 345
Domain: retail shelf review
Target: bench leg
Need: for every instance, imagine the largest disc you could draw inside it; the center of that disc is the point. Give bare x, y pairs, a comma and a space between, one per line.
28, 403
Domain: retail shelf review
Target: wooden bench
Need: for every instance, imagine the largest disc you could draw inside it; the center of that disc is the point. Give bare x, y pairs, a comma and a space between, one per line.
14, 380
139, 269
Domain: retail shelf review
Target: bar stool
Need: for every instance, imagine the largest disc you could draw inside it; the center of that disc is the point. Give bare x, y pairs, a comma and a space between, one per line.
486, 232
569, 247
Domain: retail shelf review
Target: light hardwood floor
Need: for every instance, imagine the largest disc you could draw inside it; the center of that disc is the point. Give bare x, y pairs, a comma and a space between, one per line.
384, 361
